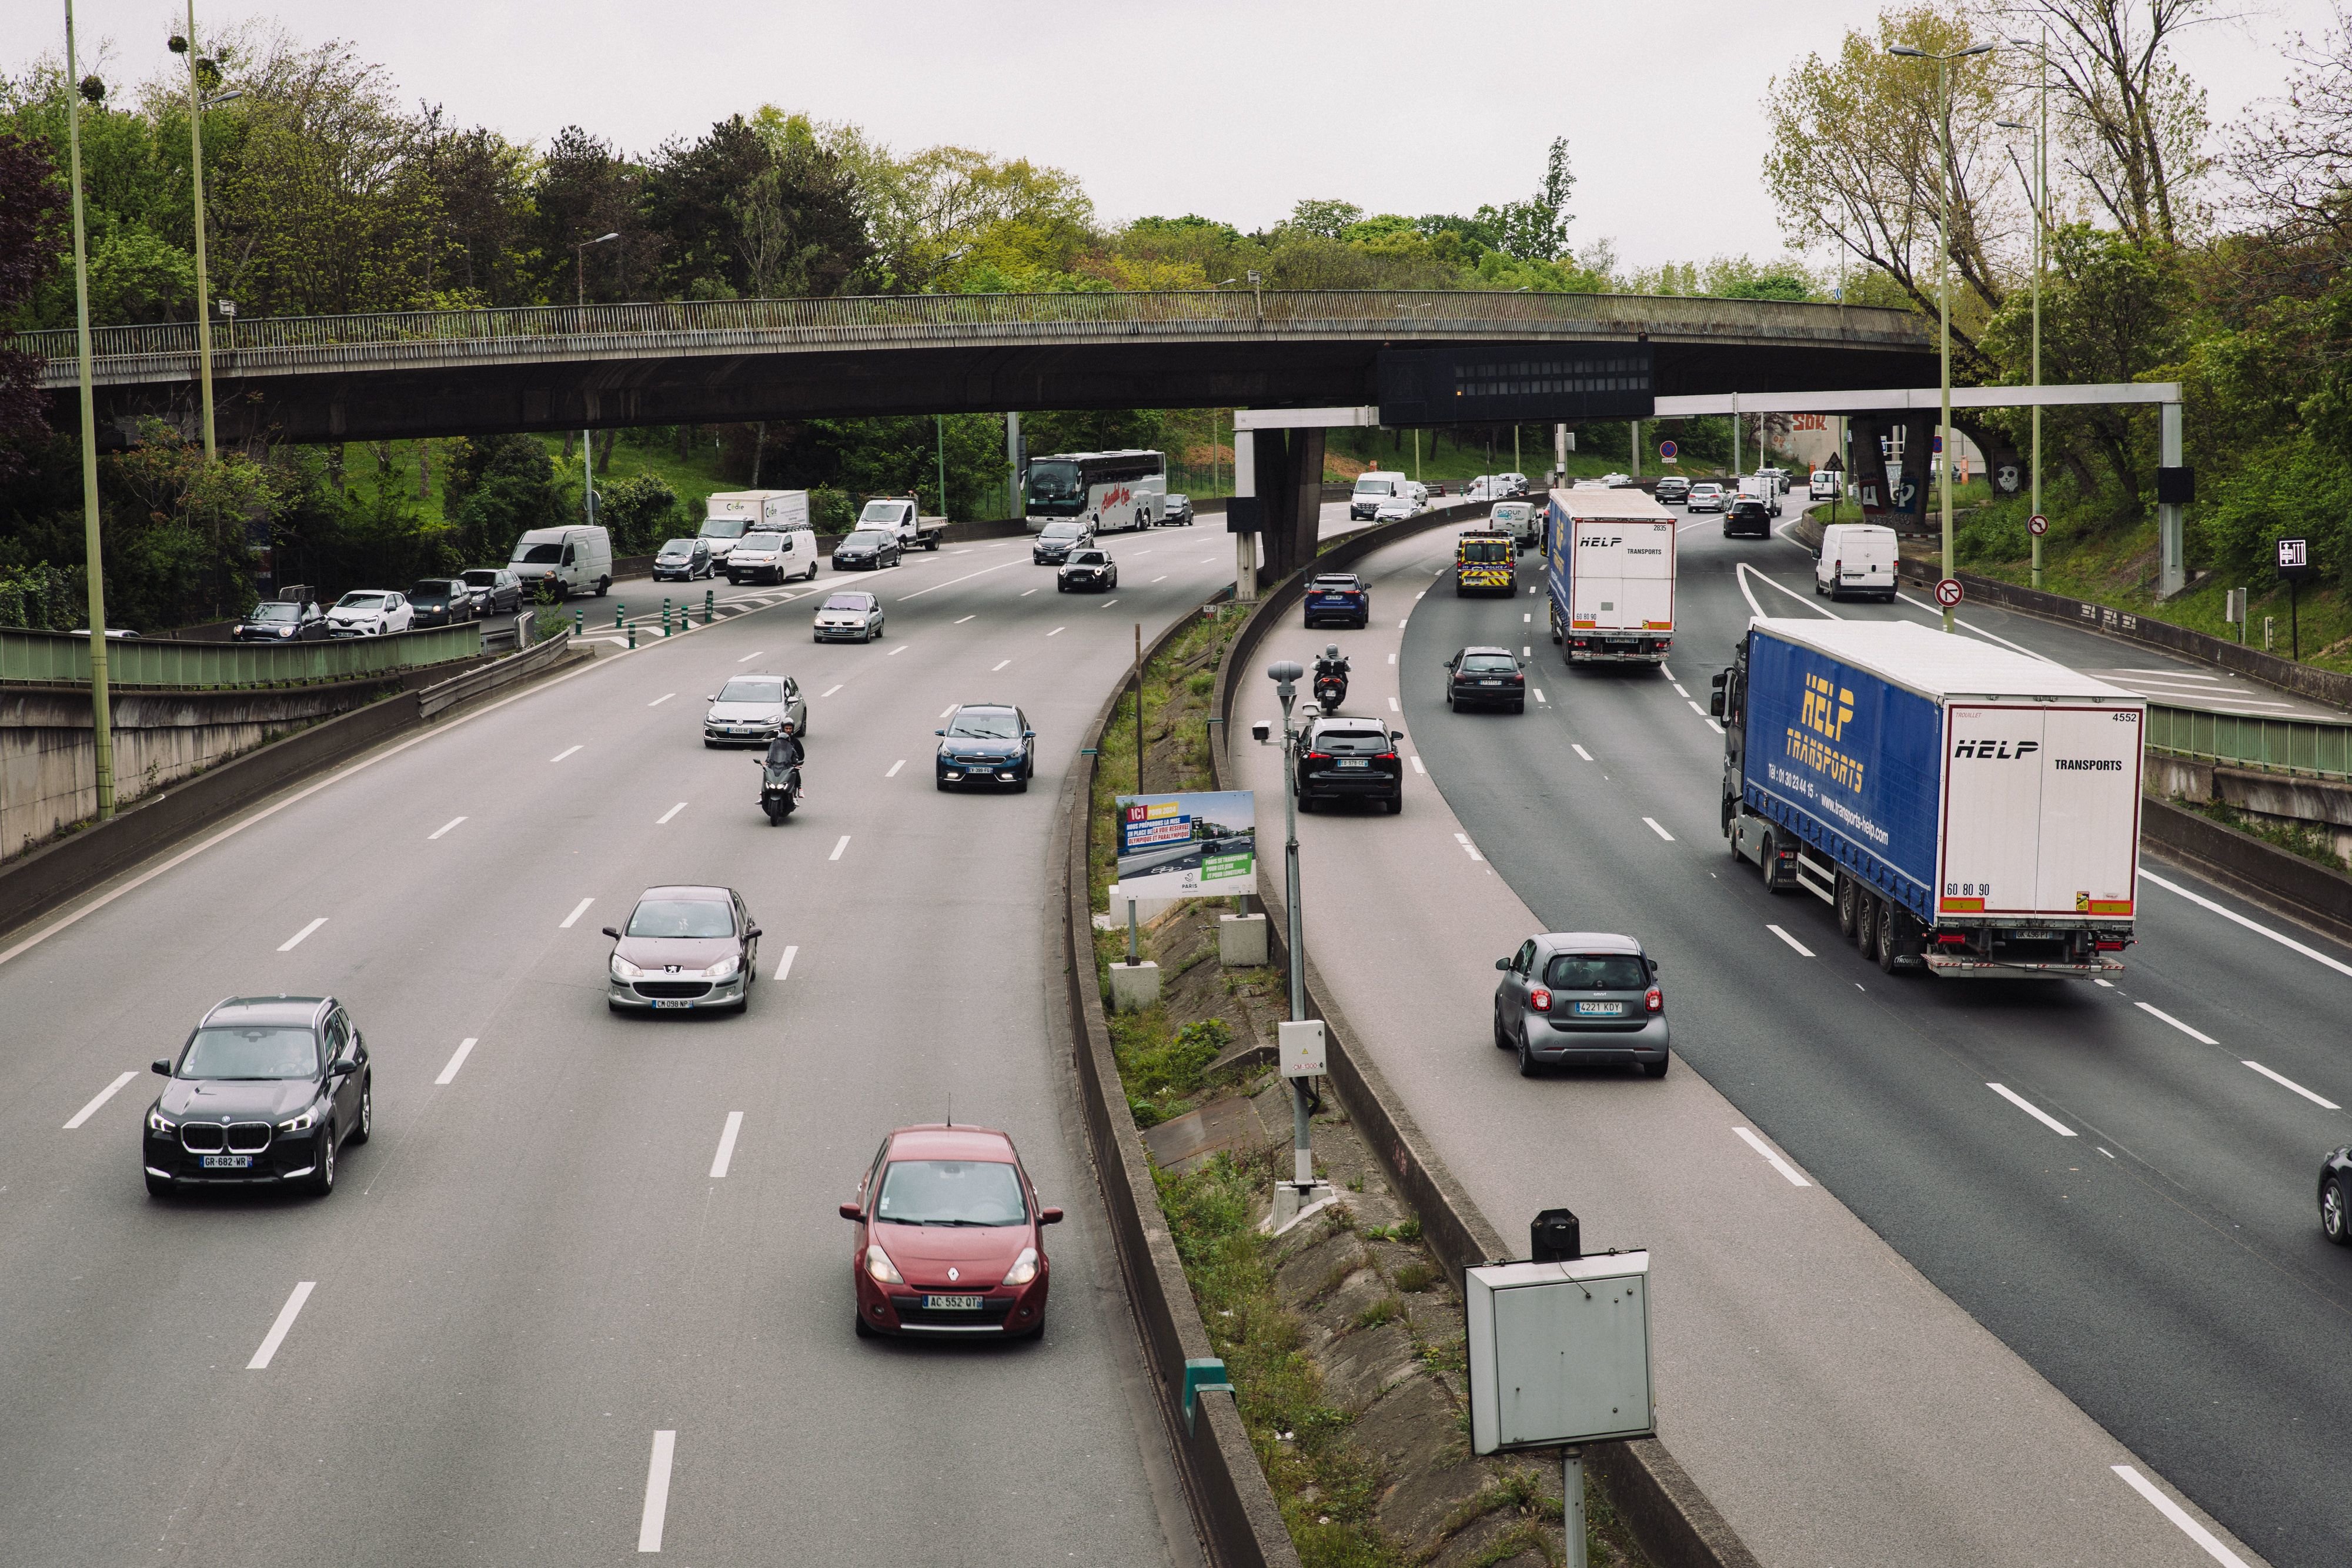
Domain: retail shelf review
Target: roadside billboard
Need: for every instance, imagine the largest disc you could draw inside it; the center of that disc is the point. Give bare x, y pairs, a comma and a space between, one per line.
1201, 843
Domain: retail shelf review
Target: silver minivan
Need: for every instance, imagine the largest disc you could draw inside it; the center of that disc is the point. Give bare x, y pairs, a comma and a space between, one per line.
1856, 558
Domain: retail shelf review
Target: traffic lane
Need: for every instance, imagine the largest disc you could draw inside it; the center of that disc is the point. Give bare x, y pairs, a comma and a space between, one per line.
1882, 1431
696, 757
1929, 1196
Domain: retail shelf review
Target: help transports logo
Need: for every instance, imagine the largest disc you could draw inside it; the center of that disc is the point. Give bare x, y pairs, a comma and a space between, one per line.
1827, 709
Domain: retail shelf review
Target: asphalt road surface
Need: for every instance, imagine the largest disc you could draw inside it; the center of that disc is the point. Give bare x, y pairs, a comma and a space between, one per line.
562, 1243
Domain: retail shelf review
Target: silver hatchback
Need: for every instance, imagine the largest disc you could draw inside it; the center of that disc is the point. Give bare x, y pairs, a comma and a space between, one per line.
750, 709
1581, 999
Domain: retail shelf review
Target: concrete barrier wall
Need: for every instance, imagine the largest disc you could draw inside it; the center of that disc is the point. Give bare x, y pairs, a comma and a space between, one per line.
2246, 864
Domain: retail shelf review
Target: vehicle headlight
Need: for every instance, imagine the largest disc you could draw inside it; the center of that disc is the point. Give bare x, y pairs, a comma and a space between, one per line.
625, 970
879, 1269
1025, 1268
285, 630
158, 1122
304, 1122
724, 970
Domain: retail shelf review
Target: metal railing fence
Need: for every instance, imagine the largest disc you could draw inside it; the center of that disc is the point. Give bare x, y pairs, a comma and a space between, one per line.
2305, 747
64, 657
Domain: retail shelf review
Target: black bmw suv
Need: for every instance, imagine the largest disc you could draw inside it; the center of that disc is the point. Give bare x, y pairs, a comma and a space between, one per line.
1343, 757
266, 1091
1747, 516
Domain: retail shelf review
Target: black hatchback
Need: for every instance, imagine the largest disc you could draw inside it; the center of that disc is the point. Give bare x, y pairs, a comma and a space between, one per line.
1486, 677
266, 1091
1747, 516
444, 602
1343, 757
276, 621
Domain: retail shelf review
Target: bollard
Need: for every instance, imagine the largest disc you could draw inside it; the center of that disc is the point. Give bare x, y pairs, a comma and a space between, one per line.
709, 604
633, 634
580, 623
620, 614
665, 617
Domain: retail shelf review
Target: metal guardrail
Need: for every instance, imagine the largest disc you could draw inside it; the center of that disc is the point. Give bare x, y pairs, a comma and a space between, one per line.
64, 657
299, 342
2305, 747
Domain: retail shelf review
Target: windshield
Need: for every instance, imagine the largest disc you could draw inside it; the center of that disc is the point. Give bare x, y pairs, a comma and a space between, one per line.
1706, 489
537, 555
275, 611
724, 527
1060, 531
867, 538
435, 590
1374, 484
1056, 484
1597, 972
482, 579
269, 1051
845, 602
360, 602
986, 724
678, 547
1087, 558
1486, 552
758, 540
752, 689
1334, 585
950, 1192
1489, 662
682, 917
887, 513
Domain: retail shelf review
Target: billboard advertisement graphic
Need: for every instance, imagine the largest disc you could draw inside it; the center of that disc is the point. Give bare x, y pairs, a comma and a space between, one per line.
1198, 844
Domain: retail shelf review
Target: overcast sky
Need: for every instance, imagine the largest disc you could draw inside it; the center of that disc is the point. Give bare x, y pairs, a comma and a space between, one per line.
1232, 109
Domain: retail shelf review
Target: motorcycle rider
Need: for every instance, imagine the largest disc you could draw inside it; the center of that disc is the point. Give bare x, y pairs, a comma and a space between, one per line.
1331, 665
785, 752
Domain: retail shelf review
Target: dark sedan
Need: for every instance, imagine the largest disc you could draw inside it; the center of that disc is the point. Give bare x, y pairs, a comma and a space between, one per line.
1747, 516
1055, 540
986, 743
1673, 490
1342, 757
1581, 998
1176, 510
274, 621
2335, 1197
443, 601
866, 549
1086, 571
500, 590
1486, 677
949, 1238
266, 1089
685, 949
1338, 596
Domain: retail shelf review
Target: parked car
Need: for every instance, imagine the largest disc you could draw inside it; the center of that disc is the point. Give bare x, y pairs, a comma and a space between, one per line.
848, 617
986, 743
1056, 539
1581, 999
949, 1238
750, 709
2335, 1197
443, 601
866, 549
1345, 757
1706, 498
500, 590
1176, 509
275, 621
1673, 490
684, 949
1857, 557
682, 560
1486, 677
266, 1089
775, 555
369, 613
1747, 515
1338, 596
1092, 571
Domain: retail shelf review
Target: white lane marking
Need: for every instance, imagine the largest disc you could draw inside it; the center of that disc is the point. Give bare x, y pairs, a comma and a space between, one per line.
894, 768
1026, 593
649, 1528
278, 1331
661, 700
1802, 951
1937, 611
1400, 626
1770, 1159
1747, 572
967, 617
1713, 726
666, 816
578, 910
1695, 708
1579, 751
1679, 690
1417, 768
992, 669
1467, 847
2169, 674
2200, 1036
442, 828
1106, 603
752, 655
1162, 578
785, 966
2279, 1078
1057, 631
563, 754
1528, 620
899, 650
949, 711
838, 848
2103, 985
950, 583
296, 940
456, 1060
1667, 671
1391, 658
1659, 830
829, 690
2030, 1109
2180, 1517
966, 551
1540, 696
1392, 706
1422, 594
726, 1145
108, 1092
1526, 652
2279, 937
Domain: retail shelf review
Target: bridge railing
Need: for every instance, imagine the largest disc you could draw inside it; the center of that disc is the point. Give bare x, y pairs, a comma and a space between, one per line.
948, 317
64, 657
2305, 747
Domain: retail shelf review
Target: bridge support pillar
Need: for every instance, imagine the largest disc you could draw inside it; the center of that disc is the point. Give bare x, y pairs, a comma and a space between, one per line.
1287, 466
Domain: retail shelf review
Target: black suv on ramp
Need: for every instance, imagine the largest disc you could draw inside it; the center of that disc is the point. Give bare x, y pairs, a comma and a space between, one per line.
1344, 757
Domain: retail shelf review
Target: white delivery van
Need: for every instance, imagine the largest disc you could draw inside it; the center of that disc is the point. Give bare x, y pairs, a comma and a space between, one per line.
1856, 558
731, 514
772, 555
1823, 484
1373, 489
1762, 489
568, 560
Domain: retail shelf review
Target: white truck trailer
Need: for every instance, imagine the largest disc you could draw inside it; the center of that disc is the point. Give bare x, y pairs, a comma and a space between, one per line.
1610, 567
731, 514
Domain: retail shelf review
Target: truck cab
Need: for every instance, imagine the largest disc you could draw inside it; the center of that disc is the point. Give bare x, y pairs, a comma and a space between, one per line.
902, 515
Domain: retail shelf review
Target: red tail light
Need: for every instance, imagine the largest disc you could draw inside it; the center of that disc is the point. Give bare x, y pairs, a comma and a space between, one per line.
1655, 1001
1518, 680
1318, 757
1540, 999
1950, 939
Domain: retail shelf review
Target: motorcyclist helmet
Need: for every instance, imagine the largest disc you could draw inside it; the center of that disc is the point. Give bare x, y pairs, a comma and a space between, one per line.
1331, 650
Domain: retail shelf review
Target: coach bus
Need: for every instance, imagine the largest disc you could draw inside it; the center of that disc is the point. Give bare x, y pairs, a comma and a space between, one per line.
1110, 490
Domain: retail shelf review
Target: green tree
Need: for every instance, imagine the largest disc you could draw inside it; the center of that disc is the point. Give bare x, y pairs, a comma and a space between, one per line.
498, 486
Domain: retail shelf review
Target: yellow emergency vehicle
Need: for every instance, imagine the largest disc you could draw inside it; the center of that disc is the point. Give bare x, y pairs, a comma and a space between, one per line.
1484, 561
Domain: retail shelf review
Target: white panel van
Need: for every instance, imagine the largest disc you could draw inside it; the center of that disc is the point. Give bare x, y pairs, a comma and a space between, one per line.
1856, 558
574, 560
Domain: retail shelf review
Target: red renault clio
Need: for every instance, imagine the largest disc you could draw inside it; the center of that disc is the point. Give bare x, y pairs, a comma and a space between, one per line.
951, 1238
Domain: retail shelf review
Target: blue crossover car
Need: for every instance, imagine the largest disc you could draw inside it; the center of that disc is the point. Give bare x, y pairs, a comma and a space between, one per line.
1338, 596
987, 743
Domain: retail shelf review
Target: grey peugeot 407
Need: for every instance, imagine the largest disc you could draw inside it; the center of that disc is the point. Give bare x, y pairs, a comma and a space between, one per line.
1581, 999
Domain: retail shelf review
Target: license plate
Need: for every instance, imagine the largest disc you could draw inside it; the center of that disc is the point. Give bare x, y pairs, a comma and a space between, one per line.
228, 1162
1490, 683
1355, 764
951, 1304
1599, 1009
663, 1004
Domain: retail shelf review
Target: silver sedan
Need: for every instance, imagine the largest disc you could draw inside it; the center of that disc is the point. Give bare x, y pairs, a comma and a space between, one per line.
750, 709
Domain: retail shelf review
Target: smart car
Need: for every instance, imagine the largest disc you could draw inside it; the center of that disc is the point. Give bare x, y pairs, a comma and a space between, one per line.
1581, 999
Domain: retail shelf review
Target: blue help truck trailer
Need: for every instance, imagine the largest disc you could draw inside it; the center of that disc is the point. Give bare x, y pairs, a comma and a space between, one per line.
1965, 808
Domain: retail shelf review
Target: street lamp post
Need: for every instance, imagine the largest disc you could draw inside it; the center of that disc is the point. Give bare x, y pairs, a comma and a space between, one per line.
587, 437
1285, 676
197, 104
101, 724
1943, 455
2040, 186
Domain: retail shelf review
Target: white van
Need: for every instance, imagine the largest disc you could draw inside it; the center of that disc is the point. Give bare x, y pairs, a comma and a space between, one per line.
731, 514
1856, 558
576, 559
1374, 488
774, 555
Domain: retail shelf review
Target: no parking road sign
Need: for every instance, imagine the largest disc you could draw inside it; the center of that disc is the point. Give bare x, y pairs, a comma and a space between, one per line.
1947, 592
2037, 525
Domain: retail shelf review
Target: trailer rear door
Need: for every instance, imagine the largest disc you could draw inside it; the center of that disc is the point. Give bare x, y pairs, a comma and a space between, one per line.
1623, 577
2041, 810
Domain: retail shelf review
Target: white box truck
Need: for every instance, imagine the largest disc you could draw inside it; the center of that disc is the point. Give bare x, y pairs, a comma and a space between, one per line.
1966, 810
1611, 566
903, 515
731, 514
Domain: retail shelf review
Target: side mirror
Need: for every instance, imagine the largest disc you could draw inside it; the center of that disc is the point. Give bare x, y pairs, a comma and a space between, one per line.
161, 1065
938, 732
1502, 963
1396, 734
342, 1067
851, 1211
1028, 734
1715, 704
754, 933
614, 932
1049, 1216
1653, 966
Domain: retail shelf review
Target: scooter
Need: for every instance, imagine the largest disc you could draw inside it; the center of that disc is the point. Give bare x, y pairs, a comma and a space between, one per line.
1331, 690
780, 792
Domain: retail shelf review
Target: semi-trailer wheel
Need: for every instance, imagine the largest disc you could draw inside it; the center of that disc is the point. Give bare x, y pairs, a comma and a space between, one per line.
1765, 861
1847, 894
1866, 923
1890, 923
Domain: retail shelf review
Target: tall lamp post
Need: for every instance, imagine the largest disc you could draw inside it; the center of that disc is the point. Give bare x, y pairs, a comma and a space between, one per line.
1285, 676
197, 103
101, 724
1943, 457
587, 437
2039, 186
